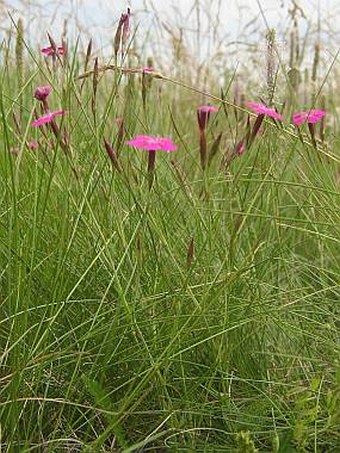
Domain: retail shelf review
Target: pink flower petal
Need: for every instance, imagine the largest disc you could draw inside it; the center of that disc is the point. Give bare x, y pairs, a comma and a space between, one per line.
203, 114
262, 109
47, 118
33, 145
311, 117
58, 113
207, 108
148, 70
152, 143
49, 51
41, 93
42, 120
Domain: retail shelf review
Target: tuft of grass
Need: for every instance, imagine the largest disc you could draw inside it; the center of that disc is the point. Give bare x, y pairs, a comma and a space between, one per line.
199, 313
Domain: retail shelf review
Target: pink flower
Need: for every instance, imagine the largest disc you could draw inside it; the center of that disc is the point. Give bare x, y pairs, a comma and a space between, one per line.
47, 118
207, 108
41, 93
203, 114
311, 117
50, 51
33, 145
261, 109
148, 69
152, 143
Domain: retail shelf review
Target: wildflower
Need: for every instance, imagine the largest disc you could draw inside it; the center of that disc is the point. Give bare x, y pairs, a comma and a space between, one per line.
30, 145
148, 70
33, 145
50, 51
261, 109
152, 144
203, 114
48, 118
311, 117
41, 93
62, 136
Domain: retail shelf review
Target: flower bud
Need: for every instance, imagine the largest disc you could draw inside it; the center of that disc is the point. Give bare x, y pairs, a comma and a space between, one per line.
41, 93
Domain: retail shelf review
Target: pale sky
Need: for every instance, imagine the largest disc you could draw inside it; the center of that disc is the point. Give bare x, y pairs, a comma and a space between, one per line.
96, 14
234, 20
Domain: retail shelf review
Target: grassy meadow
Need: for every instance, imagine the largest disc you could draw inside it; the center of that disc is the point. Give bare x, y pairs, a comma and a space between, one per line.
185, 304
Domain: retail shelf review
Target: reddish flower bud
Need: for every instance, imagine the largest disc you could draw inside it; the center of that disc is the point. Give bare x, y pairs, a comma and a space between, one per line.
41, 93
203, 114
52, 52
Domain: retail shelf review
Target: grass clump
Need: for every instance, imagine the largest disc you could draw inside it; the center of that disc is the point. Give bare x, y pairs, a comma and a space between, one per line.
195, 312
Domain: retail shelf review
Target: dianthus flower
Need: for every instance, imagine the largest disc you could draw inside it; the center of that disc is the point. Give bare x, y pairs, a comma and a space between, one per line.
41, 93
310, 117
51, 51
152, 143
48, 118
262, 109
203, 114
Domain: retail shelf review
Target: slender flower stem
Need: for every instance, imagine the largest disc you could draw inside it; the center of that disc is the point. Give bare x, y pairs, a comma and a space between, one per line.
45, 106
151, 166
63, 141
203, 149
312, 134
